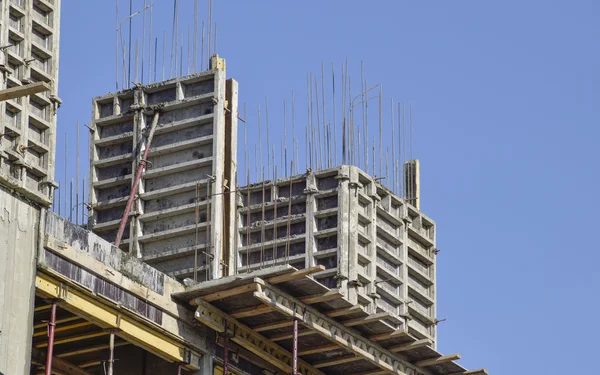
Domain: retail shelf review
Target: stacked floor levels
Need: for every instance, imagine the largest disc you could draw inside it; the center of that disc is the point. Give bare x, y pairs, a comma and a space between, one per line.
29, 30
181, 205
378, 250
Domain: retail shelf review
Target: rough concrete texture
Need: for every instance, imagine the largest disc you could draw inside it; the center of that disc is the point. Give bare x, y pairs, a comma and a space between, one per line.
31, 29
19, 226
379, 250
106, 271
177, 218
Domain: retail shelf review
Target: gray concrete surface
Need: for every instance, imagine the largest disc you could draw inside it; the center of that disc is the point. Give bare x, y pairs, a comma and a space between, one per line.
379, 250
28, 129
178, 215
19, 225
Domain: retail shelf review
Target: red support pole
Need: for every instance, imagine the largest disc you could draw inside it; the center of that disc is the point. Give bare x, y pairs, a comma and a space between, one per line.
136, 181
295, 350
51, 326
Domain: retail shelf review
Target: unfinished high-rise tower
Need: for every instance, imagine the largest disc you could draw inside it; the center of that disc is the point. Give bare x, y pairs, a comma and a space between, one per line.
378, 249
29, 54
179, 218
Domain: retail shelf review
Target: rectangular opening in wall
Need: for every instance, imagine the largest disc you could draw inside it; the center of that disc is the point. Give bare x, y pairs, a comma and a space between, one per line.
327, 183
327, 222
162, 95
114, 129
326, 243
324, 203
37, 134
105, 108
297, 189
196, 88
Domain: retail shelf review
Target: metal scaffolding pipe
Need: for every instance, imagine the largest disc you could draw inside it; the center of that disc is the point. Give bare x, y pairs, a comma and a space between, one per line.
225, 352
136, 181
111, 358
51, 327
295, 349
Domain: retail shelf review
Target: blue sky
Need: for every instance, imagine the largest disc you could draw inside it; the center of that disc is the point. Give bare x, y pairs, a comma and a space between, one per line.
506, 125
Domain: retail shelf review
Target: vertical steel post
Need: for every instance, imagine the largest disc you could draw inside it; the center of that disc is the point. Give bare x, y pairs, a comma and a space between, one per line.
111, 358
295, 350
179, 366
225, 352
51, 327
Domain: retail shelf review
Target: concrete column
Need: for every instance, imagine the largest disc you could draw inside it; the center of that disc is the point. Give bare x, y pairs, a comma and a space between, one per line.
18, 246
139, 127
375, 201
353, 189
310, 246
230, 171
216, 200
404, 255
206, 362
343, 178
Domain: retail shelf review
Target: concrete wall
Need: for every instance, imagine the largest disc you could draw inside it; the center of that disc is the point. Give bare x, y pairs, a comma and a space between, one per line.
378, 249
178, 219
31, 28
104, 270
19, 225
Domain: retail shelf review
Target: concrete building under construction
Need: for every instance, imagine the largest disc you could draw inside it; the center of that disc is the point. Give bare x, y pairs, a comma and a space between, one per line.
182, 271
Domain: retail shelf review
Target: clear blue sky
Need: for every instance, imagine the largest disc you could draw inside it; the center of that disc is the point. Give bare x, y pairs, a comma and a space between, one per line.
505, 97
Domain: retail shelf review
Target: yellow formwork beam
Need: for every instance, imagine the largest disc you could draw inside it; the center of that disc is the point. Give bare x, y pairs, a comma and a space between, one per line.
142, 335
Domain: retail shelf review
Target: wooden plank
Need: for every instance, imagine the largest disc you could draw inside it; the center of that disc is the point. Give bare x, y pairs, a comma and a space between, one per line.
251, 340
251, 311
480, 371
59, 366
366, 319
69, 339
330, 295
437, 360
295, 275
334, 331
59, 321
275, 325
345, 311
337, 361
141, 334
25, 90
410, 346
319, 349
226, 293
388, 335
288, 336
42, 308
62, 328
371, 372
91, 349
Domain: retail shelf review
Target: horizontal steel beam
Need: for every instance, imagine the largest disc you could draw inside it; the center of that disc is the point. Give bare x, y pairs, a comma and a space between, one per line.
83, 304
